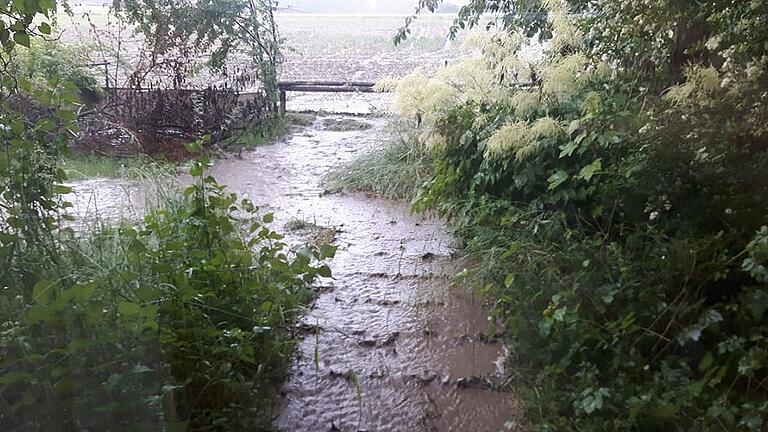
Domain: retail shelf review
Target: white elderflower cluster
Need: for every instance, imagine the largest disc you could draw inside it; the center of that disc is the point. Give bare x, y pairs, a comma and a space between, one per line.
480, 122
473, 78
545, 127
433, 141
386, 85
565, 76
700, 84
418, 96
507, 139
526, 103
502, 52
521, 138
476, 40
565, 34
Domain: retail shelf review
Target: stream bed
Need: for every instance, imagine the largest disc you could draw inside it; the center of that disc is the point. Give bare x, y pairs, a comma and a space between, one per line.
389, 344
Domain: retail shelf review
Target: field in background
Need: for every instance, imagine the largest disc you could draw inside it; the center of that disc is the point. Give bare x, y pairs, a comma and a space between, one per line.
360, 47
317, 47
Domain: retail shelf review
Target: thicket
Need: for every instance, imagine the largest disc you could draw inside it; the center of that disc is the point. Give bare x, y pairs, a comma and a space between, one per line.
180, 321
614, 186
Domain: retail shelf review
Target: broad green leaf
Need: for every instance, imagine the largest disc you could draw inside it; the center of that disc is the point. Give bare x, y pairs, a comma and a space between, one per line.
21, 38
194, 147
556, 179
43, 291
128, 308
324, 271
591, 170
12, 377
62, 190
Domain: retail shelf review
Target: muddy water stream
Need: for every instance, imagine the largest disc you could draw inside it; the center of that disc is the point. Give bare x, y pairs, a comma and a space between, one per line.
387, 345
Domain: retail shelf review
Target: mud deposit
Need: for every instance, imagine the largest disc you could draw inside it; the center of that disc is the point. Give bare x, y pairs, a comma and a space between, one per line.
388, 346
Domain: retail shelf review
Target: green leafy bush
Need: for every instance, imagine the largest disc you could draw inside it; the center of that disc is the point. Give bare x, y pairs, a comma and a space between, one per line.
182, 320
46, 62
617, 206
179, 322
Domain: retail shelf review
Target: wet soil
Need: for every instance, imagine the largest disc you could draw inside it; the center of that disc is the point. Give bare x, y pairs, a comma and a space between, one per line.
388, 345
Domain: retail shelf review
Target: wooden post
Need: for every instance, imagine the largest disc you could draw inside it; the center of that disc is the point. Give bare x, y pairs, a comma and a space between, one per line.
282, 102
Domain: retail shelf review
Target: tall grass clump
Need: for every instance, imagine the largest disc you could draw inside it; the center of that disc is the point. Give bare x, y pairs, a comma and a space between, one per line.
396, 167
617, 206
83, 167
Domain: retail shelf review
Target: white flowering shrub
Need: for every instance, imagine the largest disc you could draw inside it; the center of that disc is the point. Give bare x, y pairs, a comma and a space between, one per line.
611, 187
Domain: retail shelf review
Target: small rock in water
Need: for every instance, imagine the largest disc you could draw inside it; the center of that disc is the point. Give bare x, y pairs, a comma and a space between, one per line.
391, 338
388, 302
429, 332
376, 374
368, 343
424, 378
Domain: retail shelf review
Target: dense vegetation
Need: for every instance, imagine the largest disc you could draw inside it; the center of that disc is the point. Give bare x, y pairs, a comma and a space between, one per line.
180, 321
614, 187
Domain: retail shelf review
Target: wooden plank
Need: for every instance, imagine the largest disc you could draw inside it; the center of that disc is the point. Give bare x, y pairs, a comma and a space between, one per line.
327, 89
326, 83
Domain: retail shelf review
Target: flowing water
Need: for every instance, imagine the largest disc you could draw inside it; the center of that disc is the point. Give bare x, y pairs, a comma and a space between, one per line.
389, 344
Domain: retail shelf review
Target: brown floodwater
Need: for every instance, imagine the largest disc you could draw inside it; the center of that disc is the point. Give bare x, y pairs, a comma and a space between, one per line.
389, 343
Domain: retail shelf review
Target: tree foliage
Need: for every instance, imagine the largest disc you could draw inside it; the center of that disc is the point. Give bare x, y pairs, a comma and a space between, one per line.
223, 30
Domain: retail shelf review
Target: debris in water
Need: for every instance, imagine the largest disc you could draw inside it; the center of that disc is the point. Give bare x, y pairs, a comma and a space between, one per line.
368, 343
391, 339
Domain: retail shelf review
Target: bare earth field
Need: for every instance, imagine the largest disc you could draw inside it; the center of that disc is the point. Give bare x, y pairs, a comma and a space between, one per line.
317, 47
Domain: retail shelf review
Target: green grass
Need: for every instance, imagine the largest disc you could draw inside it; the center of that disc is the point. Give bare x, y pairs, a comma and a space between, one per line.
265, 132
83, 167
396, 169
300, 119
345, 125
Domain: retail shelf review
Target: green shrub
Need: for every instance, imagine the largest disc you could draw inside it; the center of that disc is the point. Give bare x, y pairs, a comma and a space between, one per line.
46, 62
183, 320
617, 207
179, 322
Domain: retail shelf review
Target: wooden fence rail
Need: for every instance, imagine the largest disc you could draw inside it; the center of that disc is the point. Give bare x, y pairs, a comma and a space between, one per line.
322, 87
